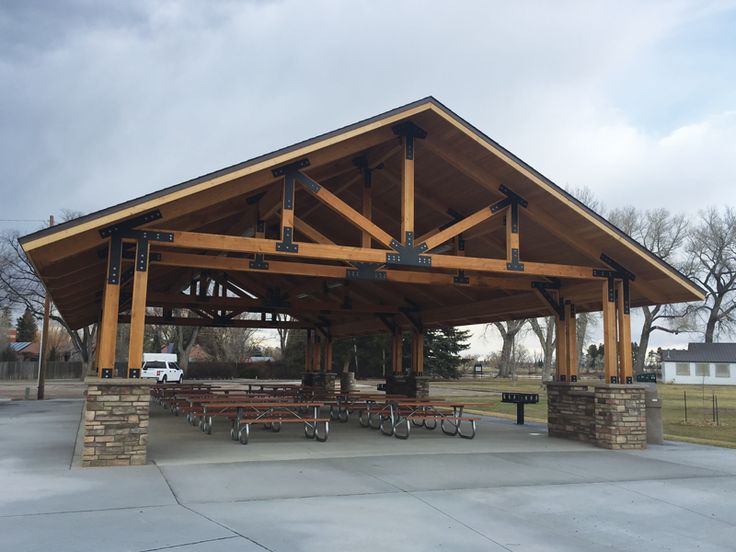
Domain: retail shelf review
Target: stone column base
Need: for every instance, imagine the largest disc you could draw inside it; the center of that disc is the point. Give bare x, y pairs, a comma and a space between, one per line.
609, 416
347, 382
320, 380
116, 422
411, 385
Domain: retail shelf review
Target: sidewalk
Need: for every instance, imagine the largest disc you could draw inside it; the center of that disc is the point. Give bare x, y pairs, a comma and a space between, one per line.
511, 488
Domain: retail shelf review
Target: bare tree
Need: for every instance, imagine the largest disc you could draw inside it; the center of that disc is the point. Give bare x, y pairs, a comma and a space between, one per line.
21, 288
711, 247
664, 234
283, 332
547, 340
508, 330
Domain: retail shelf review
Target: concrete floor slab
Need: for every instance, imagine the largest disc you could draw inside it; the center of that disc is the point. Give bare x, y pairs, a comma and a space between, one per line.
46, 491
511, 488
173, 441
584, 517
395, 521
39, 434
109, 530
260, 480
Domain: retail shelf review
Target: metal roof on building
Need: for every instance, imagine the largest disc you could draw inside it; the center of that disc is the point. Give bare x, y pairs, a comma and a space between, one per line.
702, 352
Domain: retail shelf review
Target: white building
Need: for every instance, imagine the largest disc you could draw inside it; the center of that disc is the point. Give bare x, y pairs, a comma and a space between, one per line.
701, 363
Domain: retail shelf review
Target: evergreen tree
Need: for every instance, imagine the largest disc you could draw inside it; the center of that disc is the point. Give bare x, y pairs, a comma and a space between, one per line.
442, 352
26, 327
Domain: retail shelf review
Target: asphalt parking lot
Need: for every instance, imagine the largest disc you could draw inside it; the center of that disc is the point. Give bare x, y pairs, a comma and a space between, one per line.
511, 488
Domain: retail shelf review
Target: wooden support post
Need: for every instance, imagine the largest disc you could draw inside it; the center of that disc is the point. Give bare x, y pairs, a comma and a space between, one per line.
43, 352
407, 188
610, 368
287, 207
308, 354
626, 369
138, 309
111, 303
397, 352
571, 343
561, 348
367, 206
317, 351
513, 255
328, 355
417, 353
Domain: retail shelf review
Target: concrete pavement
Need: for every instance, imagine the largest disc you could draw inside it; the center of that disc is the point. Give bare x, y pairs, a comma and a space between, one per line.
511, 488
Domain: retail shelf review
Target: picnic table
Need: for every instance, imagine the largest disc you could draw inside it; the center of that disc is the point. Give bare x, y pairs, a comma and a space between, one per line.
405, 413
272, 414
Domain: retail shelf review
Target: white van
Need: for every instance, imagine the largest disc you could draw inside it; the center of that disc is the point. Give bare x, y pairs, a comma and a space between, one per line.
162, 367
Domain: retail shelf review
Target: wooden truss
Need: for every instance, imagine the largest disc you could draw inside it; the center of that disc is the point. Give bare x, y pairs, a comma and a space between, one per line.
381, 257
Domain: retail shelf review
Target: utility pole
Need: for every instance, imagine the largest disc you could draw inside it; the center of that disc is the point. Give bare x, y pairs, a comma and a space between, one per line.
42, 360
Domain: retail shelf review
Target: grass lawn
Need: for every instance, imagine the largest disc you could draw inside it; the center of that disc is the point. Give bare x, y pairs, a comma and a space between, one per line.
699, 427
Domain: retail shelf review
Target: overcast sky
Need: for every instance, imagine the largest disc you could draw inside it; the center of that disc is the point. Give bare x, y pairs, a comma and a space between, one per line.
105, 101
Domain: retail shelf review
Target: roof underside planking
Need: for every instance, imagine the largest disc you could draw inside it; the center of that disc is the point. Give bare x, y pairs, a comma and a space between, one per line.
458, 170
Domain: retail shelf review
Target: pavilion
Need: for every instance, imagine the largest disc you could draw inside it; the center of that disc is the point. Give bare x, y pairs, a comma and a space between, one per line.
409, 220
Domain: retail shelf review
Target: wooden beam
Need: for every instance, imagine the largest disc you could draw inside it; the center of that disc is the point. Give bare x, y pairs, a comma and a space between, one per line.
233, 264
460, 226
328, 355
180, 300
216, 242
407, 188
287, 205
138, 306
417, 353
343, 209
397, 352
311, 232
378, 161
234, 323
367, 207
512, 234
610, 367
626, 369
571, 342
561, 349
110, 305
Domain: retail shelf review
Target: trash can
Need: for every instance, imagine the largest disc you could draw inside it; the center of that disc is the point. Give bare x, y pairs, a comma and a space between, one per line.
655, 430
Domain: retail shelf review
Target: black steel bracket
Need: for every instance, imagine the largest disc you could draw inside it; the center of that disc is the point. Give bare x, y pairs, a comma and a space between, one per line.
130, 255
291, 167
409, 131
288, 200
461, 278
558, 306
516, 198
408, 254
308, 182
258, 263
148, 235
515, 264
365, 271
141, 256
625, 274
287, 245
114, 260
414, 319
131, 223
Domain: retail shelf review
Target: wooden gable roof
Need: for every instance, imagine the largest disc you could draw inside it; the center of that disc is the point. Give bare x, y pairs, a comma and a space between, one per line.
458, 170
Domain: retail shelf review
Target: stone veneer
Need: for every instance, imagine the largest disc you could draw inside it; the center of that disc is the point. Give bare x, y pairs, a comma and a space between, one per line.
609, 416
411, 385
320, 380
116, 422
